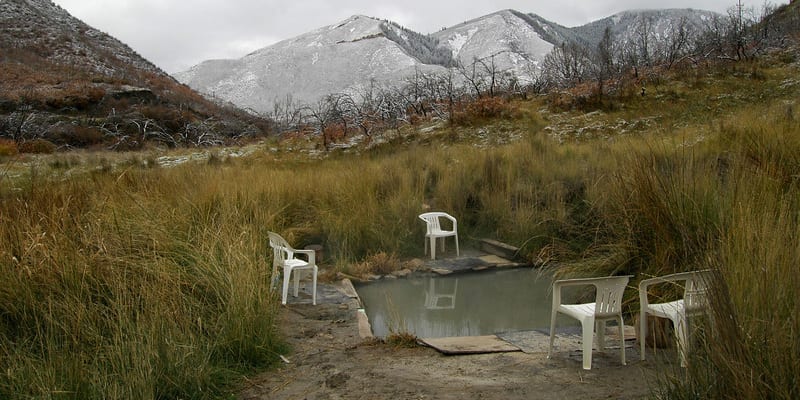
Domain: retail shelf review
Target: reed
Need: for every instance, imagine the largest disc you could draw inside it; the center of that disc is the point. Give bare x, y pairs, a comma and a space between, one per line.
730, 203
752, 350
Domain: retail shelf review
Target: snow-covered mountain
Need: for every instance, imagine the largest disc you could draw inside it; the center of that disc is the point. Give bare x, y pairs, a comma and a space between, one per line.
361, 49
513, 39
628, 25
328, 60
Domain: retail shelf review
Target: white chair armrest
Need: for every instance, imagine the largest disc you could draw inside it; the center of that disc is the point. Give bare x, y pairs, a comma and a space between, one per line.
557, 285
311, 255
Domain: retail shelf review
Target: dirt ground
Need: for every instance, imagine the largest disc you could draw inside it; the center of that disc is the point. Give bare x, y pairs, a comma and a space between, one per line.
329, 360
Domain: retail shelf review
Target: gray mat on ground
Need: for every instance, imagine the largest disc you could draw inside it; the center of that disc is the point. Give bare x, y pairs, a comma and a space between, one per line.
538, 342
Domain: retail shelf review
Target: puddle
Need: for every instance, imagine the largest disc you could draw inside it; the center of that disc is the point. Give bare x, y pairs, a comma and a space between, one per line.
467, 304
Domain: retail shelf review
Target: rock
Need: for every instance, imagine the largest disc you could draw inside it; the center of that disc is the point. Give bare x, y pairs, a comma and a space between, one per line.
402, 273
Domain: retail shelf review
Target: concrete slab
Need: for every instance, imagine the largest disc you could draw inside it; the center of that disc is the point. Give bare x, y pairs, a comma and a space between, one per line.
494, 260
364, 327
469, 345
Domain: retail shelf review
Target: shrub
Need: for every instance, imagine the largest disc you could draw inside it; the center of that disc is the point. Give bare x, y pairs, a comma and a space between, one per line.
79, 136
37, 146
482, 108
8, 148
488, 107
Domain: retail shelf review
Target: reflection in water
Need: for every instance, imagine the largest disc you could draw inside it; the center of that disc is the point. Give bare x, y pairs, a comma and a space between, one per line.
470, 304
439, 297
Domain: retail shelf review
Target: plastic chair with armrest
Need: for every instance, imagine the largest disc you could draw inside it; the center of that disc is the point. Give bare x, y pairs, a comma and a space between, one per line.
592, 316
693, 303
284, 257
435, 231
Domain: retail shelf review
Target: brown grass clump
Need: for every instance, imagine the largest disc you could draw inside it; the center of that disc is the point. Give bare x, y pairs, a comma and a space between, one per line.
8, 148
37, 146
402, 339
380, 263
483, 109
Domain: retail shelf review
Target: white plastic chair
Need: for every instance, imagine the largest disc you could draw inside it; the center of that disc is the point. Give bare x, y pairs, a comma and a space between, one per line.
284, 256
435, 231
693, 303
593, 316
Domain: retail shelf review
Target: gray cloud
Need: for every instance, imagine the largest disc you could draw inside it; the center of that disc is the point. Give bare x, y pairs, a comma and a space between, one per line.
176, 34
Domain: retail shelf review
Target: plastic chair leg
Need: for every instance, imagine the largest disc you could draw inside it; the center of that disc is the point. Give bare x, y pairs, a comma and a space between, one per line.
682, 336
642, 333
314, 287
552, 333
297, 282
587, 326
285, 291
621, 340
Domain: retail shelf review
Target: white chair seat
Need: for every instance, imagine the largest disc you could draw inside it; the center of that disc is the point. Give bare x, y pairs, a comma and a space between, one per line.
577, 311
666, 310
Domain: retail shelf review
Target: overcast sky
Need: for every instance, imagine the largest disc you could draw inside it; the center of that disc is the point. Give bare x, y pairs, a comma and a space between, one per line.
177, 34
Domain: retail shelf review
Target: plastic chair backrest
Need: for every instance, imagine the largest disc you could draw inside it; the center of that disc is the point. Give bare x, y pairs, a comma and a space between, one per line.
432, 220
695, 295
608, 301
280, 248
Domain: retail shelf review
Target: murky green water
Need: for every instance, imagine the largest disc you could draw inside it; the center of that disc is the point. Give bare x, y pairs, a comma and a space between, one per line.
471, 304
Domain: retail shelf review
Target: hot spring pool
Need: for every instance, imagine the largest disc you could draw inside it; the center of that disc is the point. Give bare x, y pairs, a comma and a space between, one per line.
469, 304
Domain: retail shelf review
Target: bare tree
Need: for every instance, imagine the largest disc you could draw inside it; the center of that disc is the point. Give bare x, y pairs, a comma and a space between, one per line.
676, 44
491, 72
286, 113
17, 124
604, 66
566, 65
534, 80
644, 38
472, 76
320, 115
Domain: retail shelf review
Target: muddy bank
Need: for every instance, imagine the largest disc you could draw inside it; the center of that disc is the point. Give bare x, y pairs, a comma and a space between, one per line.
330, 360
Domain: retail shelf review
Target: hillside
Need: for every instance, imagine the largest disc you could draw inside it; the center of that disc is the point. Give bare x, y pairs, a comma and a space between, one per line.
68, 84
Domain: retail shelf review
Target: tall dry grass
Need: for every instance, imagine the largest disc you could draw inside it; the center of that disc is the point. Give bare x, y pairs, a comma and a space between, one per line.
752, 351
142, 284
730, 203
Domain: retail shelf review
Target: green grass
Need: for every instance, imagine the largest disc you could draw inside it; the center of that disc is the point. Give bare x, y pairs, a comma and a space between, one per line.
122, 280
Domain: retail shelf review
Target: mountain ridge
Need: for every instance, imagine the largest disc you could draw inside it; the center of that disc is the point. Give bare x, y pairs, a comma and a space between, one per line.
337, 56
380, 51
